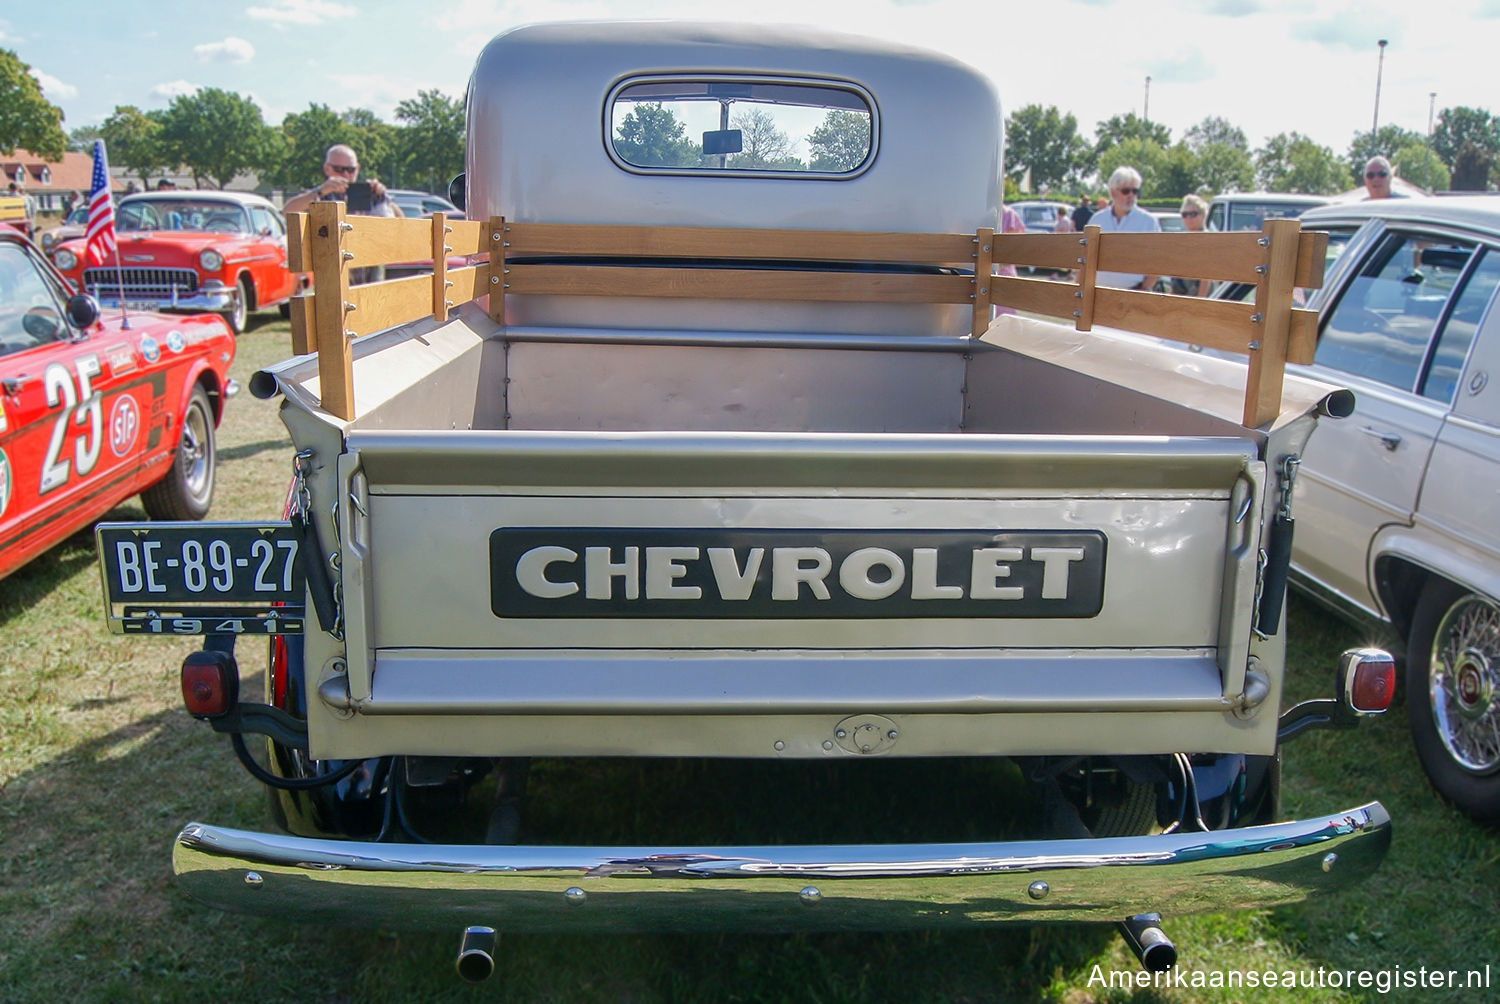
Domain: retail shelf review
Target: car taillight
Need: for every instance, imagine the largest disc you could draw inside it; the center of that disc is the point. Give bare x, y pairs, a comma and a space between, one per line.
1367, 680
210, 684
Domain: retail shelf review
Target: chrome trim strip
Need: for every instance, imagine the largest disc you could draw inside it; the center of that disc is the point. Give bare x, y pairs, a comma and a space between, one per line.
540, 888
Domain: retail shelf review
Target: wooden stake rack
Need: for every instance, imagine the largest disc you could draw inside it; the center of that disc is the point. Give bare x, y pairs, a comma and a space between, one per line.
601, 260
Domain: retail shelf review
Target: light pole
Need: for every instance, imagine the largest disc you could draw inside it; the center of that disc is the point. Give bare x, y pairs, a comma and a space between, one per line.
1375, 122
1145, 124
1427, 162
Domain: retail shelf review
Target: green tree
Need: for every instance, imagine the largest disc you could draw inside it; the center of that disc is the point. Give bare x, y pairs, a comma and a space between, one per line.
1420, 165
27, 118
430, 142
216, 134
763, 145
1123, 130
1292, 162
378, 144
1224, 168
1468, 141
651, 136
841, 142
1385, 142
133, 139
1045, 142
1178, 174
306, 137
1216, 131
1153, 167
81, 140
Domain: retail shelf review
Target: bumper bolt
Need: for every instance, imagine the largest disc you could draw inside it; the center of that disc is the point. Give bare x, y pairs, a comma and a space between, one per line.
575, 896
810, 895
1038, 890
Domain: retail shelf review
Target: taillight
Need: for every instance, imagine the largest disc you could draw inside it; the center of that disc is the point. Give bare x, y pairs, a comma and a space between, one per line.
1367, 680
210, 684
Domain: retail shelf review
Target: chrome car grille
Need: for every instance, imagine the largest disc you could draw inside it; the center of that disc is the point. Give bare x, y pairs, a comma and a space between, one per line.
147, 283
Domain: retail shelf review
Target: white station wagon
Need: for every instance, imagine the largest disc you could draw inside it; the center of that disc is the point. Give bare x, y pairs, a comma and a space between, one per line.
1396, 506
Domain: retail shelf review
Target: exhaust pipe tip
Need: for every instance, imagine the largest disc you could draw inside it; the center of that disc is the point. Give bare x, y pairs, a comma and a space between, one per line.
476, 954
1150, 944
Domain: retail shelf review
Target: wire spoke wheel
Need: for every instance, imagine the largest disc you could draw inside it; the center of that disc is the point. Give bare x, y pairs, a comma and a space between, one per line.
1462, 684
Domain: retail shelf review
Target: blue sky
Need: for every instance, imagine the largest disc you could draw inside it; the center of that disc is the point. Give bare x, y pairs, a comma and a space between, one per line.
1266, 65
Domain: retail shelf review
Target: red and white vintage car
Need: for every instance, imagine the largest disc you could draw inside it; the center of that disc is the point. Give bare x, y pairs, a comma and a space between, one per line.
93, 412
189, 251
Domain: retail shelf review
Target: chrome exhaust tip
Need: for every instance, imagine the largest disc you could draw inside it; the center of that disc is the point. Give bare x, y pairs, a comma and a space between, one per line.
1150, 944
476, 954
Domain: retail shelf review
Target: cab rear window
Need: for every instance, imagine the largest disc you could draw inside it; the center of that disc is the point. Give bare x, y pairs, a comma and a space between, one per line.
754, 126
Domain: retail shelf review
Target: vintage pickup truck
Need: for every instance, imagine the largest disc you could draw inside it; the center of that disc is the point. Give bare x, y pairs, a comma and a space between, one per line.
718, 450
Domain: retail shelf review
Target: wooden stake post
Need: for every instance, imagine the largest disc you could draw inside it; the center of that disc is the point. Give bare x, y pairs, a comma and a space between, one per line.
1271, 332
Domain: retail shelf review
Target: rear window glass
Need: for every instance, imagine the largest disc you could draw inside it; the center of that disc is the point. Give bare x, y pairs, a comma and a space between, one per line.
741, 126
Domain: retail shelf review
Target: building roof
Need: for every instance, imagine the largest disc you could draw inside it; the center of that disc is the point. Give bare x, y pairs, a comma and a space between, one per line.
71, 174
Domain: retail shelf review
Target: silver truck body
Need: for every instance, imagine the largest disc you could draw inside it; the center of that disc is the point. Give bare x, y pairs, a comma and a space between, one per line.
777, 530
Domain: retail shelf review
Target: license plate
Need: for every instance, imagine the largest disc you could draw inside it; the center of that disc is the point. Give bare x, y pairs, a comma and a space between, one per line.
201, 578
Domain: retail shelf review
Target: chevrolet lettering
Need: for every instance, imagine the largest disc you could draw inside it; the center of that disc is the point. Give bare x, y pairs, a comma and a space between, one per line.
701, 454
789, 573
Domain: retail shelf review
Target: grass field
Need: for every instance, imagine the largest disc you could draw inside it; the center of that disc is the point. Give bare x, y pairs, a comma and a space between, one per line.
99, 767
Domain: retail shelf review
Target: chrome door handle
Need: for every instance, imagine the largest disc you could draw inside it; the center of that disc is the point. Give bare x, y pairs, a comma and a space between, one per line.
1389, 440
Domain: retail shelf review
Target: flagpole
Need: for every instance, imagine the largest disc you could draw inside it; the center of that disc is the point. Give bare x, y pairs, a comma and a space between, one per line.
120, 276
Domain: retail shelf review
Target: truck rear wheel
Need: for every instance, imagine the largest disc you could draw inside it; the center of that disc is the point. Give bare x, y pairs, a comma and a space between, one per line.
1453, 696
187, 488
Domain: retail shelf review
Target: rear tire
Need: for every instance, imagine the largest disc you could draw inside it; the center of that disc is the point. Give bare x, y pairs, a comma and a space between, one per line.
1453, 696
187, 488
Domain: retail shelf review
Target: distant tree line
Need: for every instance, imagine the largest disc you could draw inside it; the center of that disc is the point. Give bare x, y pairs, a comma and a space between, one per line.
1214, 156
215, 135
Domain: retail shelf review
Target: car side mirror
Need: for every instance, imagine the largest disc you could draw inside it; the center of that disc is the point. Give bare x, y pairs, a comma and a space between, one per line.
457, 189
82, 310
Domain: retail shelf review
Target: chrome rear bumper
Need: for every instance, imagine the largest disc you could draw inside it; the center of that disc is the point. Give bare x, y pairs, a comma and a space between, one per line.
872, 887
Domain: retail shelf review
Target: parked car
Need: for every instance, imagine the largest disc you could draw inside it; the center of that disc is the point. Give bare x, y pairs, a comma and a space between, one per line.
73, 225
93, 412
1248, 210
416, 204
1170, 220
1040, 217
190, 251
1394, 504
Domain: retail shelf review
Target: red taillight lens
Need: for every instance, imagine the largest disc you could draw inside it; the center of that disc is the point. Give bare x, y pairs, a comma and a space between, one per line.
210, 684
1369, 680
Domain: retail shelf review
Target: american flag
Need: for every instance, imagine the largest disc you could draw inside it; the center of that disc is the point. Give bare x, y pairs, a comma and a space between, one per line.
101, 230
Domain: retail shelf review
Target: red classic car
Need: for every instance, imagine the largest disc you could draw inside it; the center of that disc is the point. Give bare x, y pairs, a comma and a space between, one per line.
189, 251
93, 412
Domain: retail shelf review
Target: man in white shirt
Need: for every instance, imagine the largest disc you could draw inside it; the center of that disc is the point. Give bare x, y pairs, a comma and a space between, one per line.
1123, 216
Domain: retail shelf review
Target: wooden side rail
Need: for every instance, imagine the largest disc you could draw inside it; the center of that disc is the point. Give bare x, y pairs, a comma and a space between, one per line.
604, 260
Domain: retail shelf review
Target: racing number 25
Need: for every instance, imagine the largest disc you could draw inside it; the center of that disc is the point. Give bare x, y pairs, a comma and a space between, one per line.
61, 390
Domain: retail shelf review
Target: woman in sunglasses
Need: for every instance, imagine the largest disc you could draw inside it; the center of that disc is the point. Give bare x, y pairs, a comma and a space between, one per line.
1194, 214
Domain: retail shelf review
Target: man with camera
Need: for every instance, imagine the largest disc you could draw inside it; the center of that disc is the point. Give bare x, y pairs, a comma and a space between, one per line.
362, 198
341, 184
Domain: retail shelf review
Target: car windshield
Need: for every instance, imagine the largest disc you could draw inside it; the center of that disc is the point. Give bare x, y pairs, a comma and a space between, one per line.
199, 215
29, 305
1250, 215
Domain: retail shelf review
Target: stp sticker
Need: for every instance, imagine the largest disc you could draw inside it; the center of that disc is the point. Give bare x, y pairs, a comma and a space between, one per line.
124, 423
150, 349
4, 481
174, 341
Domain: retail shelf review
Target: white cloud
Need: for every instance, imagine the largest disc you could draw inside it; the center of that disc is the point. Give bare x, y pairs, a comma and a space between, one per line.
174, 89
56, 90
231, 50
300, 12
